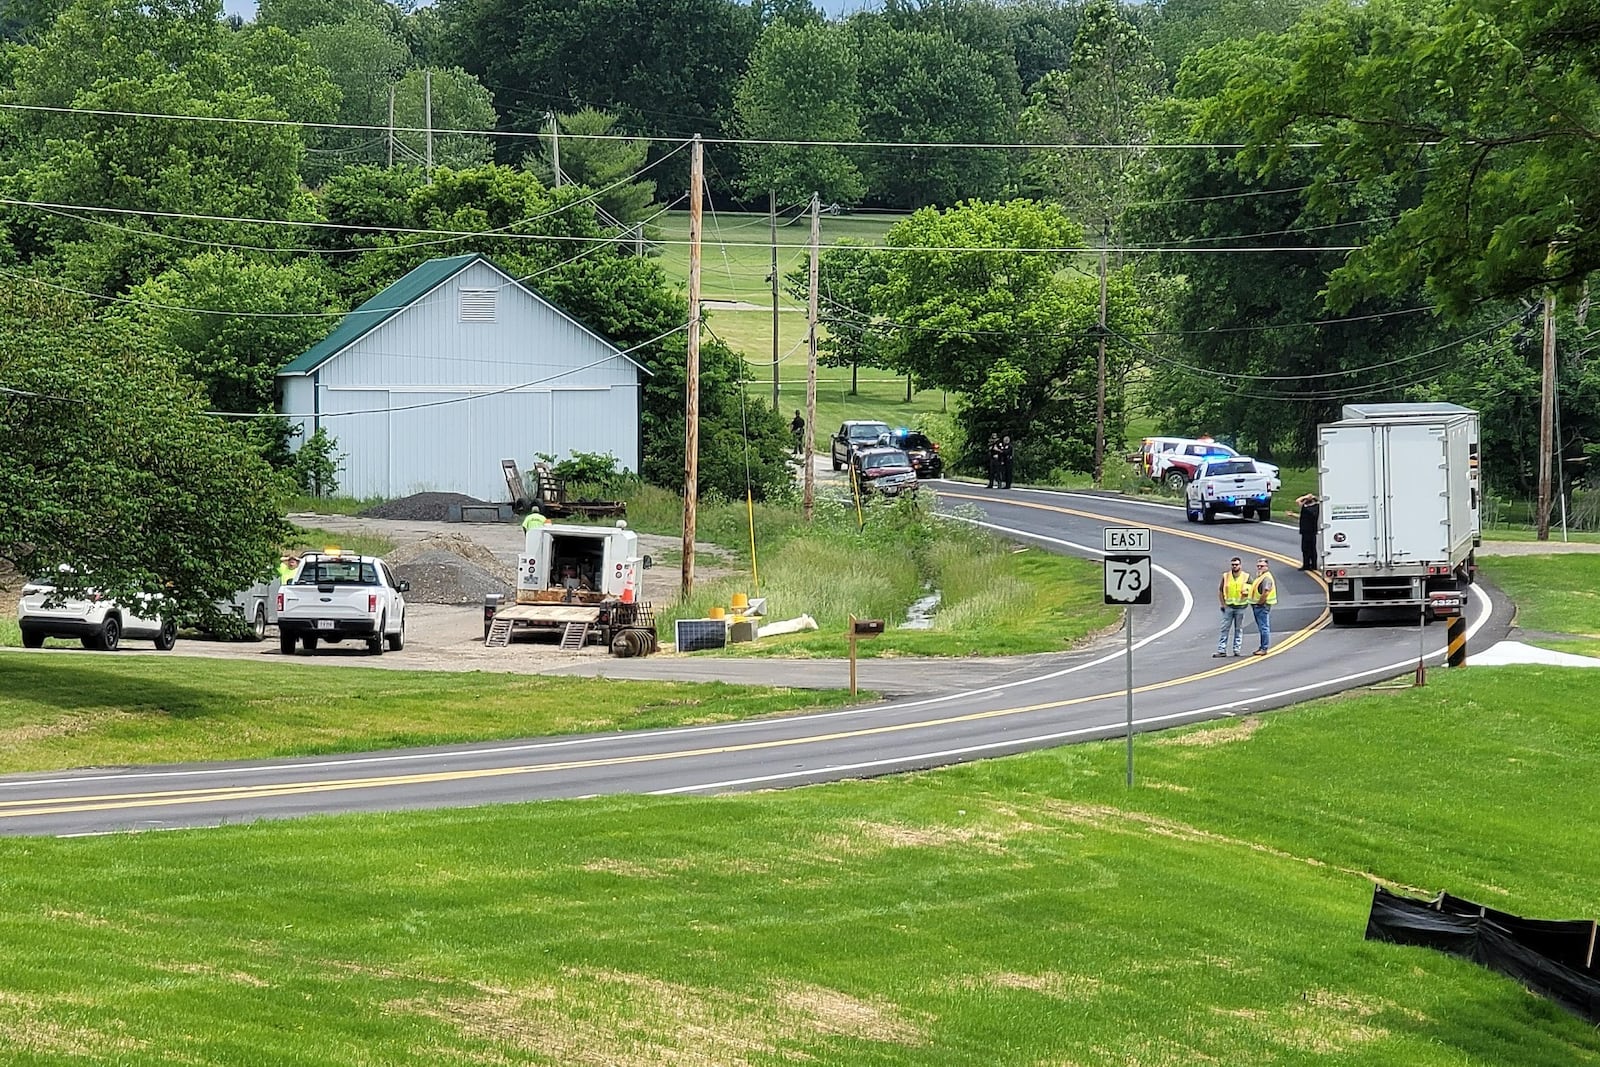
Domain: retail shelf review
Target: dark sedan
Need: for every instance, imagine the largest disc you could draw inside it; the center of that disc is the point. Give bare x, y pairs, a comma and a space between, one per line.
924, 454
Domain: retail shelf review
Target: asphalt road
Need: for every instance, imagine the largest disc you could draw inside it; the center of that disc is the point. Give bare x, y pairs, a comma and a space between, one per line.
999, 708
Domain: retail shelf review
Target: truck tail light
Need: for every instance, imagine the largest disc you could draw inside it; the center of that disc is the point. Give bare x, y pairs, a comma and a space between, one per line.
372, 603
280, 603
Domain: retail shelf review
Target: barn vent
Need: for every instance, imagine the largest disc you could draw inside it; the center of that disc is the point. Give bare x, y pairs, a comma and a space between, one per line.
477, 305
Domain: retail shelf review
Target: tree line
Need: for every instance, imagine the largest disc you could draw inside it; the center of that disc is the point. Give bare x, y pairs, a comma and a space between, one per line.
1299, 205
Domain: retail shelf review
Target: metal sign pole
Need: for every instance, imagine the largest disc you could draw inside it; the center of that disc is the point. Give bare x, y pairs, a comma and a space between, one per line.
1127, 624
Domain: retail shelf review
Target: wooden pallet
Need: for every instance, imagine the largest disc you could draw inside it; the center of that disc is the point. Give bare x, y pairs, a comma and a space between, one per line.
575, 636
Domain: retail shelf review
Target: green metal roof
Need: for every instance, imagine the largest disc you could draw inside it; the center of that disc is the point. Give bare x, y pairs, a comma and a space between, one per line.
379, 309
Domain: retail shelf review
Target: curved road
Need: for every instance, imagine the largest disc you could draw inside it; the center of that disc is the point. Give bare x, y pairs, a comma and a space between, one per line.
1077, 697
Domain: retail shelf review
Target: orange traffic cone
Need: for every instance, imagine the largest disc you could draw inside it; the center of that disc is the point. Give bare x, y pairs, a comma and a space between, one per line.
627, 588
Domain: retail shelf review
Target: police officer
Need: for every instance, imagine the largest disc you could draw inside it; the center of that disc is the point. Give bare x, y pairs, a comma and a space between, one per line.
797, 426
1005, 460
994, 461
1310, 518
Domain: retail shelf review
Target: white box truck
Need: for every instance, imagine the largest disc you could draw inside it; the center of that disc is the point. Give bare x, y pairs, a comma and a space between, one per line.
1399, 512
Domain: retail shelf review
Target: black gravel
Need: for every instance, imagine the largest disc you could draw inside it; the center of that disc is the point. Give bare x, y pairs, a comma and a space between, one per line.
420, 507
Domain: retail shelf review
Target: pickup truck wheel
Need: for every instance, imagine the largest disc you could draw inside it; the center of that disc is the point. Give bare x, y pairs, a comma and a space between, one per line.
110, 635
258, 625
32, 639
375, 642
1190, 513
1208, 513
837, 465
309, 641
1247, 513
167, 636
1264, 512
397, 640
286, 643
1175, 480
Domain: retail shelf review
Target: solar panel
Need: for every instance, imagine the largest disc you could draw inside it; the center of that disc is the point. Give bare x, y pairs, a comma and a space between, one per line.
696, 634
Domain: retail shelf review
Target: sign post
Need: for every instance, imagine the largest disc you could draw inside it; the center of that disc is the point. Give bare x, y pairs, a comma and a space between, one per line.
1128, 583
860, 628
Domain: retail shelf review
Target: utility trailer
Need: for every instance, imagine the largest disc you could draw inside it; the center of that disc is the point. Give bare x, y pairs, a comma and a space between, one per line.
580, 584
550, 496
1399, 512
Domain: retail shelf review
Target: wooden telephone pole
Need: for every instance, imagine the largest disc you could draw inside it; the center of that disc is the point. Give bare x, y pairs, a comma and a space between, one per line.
1100, 373
691, 399
1547, 408
811, 356
772, 219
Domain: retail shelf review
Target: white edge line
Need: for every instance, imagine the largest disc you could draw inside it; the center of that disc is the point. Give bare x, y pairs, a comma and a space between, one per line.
1062, 735
539, 746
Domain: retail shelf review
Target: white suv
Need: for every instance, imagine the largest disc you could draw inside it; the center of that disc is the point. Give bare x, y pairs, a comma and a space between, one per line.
335, 596
96, 622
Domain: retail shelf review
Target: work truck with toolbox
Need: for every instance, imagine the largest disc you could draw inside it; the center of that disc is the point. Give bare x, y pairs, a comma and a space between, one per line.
335, 597
1399, 509
579, 583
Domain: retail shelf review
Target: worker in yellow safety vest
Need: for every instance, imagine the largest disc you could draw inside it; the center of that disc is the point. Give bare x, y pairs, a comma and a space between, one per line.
1263, 594
287, 565
1234, 595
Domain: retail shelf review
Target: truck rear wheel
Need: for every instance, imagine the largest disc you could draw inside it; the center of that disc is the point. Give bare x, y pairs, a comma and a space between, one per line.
1175, 480
286, 643
375, 642
258, 625
309, 642
1208, 513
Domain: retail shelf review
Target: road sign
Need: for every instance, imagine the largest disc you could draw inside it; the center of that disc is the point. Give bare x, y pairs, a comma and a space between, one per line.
1128, 540
1128, 579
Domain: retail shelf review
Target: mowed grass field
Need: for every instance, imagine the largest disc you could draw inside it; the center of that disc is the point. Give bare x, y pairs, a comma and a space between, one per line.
1025, 911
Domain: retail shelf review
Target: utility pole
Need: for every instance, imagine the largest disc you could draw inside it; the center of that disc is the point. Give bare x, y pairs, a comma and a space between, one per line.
555, 149
691, 399
811, 355
772, 217
1100, 375
427, 110
1547, 408
391, 126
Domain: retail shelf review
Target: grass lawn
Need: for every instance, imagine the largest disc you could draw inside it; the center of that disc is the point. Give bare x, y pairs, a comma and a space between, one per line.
996, 598
1558, 593
82, 710
736, 249
1024, 911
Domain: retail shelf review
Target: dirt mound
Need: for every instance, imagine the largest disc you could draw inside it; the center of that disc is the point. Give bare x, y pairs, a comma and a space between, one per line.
420, 507
450, 569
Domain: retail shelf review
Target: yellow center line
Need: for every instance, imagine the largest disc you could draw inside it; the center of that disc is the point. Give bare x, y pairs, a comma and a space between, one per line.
16, 809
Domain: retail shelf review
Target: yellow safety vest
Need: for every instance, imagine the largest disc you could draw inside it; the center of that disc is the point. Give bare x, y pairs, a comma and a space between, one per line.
1272, 590
1236, 590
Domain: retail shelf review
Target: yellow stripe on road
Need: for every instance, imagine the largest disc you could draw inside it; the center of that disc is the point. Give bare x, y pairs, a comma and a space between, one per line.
18, 809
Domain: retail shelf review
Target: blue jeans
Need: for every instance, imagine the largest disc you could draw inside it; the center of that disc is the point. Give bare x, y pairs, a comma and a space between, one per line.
1232, 617
1264, 624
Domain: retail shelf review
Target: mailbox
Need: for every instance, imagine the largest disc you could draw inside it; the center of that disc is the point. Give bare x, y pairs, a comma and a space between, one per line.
866, 627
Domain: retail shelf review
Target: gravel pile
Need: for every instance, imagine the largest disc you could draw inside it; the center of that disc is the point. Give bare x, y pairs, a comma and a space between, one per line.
420, 507
450, 569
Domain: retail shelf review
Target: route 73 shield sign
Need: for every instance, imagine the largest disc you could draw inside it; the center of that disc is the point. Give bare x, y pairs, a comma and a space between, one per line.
1127, 579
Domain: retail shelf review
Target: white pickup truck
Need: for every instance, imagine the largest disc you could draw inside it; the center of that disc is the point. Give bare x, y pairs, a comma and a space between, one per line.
335, 596
1233, 484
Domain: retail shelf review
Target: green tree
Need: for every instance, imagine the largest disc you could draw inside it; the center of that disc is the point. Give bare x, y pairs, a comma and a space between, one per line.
1182, 28
232, 324
851, 335
459, 102
118, 56
1249, 349
981, 302
592, 155
1103, 98
1486, 107
927, 88
801, 85
111, 468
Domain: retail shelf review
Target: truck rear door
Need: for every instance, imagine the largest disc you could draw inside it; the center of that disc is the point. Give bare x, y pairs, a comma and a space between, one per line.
1418, 525
1350, 473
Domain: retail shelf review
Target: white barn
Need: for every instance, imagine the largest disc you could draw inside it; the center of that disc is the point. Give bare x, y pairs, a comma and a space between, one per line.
456, 366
